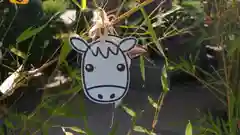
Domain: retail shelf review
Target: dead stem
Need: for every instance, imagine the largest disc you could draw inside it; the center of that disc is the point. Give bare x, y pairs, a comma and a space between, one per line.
130, 12
19, 77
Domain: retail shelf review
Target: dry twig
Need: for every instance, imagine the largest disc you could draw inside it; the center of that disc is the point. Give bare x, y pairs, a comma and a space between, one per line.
19, 78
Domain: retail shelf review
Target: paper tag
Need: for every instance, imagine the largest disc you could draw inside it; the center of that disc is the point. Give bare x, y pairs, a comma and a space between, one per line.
105, 67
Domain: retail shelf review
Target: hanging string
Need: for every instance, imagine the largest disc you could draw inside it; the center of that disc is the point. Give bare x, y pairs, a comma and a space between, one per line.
102, 25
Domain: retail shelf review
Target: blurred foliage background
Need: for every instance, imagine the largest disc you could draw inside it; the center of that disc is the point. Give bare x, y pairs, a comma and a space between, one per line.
196, 39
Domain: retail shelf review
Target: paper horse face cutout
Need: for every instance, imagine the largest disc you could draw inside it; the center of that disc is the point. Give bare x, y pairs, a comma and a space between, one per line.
105, 67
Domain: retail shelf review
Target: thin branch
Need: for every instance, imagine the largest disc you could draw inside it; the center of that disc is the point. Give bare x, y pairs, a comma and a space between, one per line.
19, 78
130, 12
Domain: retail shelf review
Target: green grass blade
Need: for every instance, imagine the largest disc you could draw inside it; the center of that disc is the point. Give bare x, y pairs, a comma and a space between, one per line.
76, 129
140, 129
30, 32
188, 130
77, 4
84, 4
142, 67
64, 51
18, 52
164, 79
129, 111
151, 31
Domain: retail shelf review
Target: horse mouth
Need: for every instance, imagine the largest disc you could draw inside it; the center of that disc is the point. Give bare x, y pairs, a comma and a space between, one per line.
106, 93
105, 86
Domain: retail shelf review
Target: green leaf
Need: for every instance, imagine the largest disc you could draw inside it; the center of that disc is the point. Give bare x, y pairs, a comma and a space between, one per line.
58, 110
76, 3
129, 26
152, 102
142, 67
171, 68
224, 126
54, 6
44, 130
65, 92
140, 129
2, 132
65, 132
152, 31
76, 129
186, 65
18, 52
164, 79
129, 111
64, 51
68, 133
8, 124
73, 73
84, 4
30, 32
234, 46
188, 130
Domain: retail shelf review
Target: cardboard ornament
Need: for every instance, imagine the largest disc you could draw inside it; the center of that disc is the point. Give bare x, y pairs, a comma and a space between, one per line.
105, 67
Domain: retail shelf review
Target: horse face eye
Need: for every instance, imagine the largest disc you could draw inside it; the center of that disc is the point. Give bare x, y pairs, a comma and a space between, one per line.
89, 68
121, 67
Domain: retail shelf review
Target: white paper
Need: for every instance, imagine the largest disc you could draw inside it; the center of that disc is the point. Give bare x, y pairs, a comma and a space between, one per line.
105, 67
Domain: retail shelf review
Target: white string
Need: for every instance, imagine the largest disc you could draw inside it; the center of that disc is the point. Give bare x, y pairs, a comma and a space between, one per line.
102, 26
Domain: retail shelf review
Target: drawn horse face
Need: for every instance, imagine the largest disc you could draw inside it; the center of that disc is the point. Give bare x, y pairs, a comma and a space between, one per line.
105, 67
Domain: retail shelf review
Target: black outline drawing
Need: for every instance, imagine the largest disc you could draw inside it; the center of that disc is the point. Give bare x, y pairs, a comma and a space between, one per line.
99, 52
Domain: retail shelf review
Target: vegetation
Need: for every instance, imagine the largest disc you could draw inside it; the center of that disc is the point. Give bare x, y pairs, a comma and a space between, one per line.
199, 25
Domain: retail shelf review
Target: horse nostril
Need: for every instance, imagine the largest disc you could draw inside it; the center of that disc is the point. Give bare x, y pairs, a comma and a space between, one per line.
100, 96
112, 96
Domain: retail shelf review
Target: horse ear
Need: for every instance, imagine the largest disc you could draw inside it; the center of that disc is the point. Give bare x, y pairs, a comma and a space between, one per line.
127, 44
78, 44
